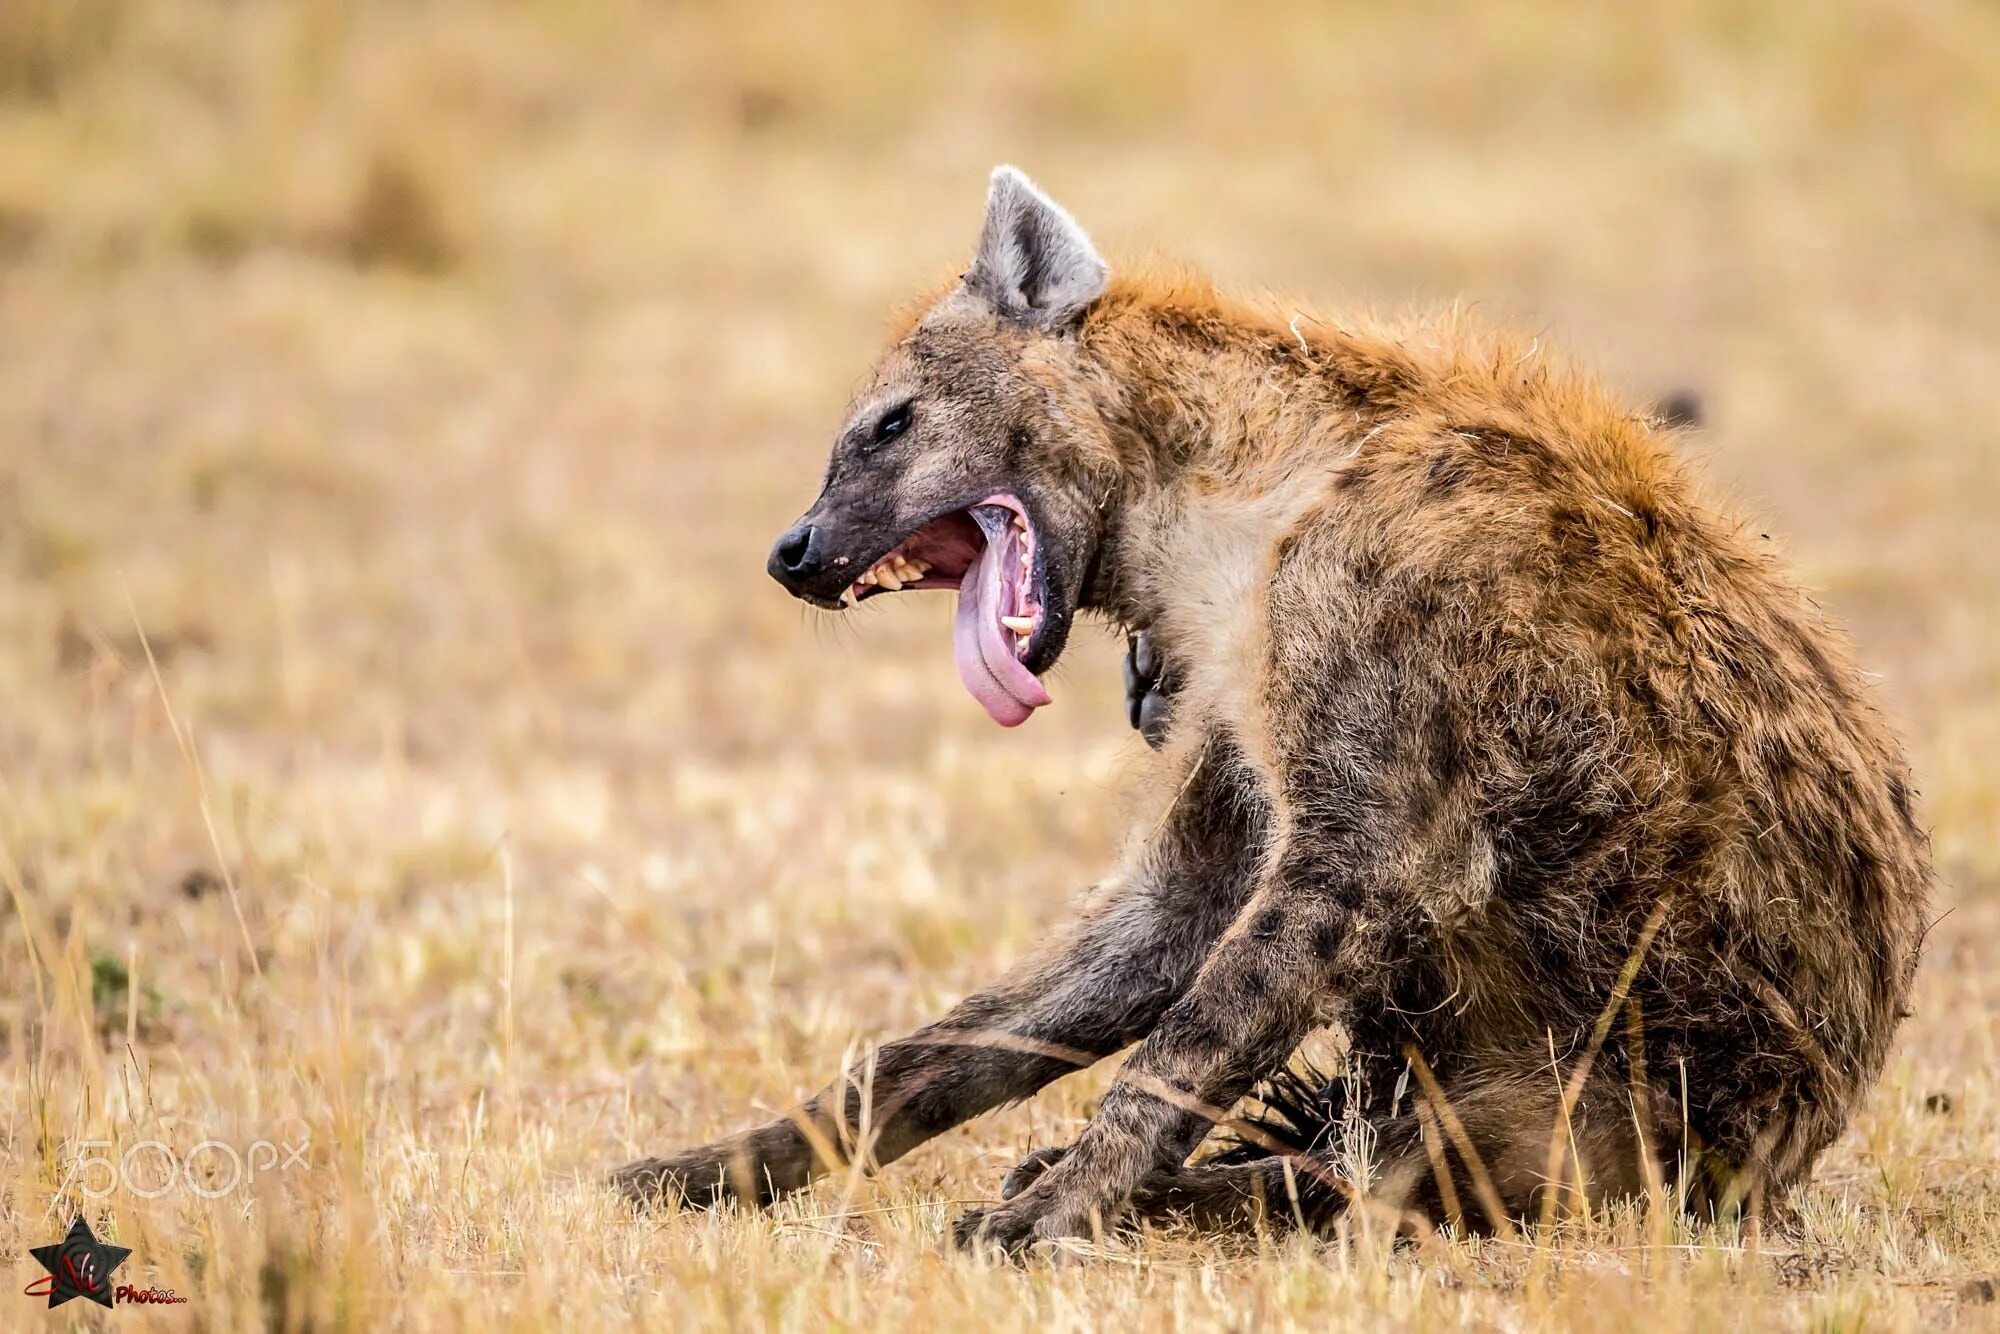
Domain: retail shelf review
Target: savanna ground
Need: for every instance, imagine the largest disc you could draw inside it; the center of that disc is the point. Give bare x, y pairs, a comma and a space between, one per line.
427, 380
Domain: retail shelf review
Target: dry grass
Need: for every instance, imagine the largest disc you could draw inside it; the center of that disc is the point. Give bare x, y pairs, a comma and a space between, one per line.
433, 378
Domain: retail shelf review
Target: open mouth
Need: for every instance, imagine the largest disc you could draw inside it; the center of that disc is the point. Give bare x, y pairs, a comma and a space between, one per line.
987, 551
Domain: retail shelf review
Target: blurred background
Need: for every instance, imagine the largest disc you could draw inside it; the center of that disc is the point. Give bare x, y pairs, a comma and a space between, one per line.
428, 379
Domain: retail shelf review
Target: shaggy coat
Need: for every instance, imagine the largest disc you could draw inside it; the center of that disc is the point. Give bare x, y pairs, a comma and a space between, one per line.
1491, 744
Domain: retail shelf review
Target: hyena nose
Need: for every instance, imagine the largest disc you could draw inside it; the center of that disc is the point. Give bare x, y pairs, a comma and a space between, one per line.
797, 556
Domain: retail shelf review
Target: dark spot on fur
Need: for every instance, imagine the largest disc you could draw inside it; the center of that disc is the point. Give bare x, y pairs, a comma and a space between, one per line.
1863, 871
1687, 854
1390, 641
1776, 756
1639, 688
1267, 923
1601, 616
1572, 535
1254, 984
1899, 797
1199, 1033
1448, 471
1287, 546
1447, 754
1519, 454
1427, 602
1325, 940
1822, 666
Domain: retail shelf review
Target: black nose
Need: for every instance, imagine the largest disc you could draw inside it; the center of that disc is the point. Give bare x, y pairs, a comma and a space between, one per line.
798, 555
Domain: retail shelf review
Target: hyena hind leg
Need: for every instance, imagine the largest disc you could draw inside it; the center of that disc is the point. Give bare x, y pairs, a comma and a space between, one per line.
1504, 1151
1511, 1144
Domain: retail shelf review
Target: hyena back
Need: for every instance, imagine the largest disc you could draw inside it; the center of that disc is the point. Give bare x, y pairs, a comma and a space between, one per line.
1490, 744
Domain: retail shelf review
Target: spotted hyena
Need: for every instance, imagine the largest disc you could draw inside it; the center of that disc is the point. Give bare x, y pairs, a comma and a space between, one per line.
1491, 744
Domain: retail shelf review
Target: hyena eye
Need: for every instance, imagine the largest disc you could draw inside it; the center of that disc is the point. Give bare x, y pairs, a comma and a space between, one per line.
894, 422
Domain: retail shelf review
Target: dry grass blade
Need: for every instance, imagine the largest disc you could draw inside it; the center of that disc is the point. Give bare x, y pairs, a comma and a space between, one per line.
1564, 1130
193, 762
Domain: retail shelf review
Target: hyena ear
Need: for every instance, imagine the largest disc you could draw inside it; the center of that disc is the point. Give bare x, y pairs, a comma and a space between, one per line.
1034, 264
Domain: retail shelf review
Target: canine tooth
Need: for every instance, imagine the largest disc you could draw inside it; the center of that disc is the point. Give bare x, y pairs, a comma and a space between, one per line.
1021, 521
891, 582
1020, 625
848, 595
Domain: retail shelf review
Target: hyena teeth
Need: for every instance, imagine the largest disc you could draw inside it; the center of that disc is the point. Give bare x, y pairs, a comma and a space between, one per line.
889, 581
848, 596
870, 577
1020, 625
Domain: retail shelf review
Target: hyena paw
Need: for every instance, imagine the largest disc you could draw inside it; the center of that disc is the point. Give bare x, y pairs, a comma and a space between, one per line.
995, 1230
1029, 1170
1148, 689
1013, 1227
694, 1180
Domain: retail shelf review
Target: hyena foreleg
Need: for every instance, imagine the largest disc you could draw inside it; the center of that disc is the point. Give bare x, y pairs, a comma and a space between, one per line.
1338, 859
1096, 992
1267, 983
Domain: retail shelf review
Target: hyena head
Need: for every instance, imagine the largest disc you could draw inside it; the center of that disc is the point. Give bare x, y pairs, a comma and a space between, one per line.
972, 461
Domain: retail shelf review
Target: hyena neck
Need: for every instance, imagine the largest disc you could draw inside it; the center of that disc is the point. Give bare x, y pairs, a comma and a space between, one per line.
1209, 403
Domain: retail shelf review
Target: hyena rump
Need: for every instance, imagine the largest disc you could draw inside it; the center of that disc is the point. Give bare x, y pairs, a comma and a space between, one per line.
1490, 743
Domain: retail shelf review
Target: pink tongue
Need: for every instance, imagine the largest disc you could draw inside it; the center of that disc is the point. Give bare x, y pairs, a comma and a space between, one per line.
984, 648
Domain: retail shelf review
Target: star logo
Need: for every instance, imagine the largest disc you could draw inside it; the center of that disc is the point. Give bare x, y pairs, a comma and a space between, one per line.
79, 1266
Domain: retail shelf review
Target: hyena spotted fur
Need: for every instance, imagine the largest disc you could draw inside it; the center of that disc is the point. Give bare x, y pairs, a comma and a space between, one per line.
1491, 744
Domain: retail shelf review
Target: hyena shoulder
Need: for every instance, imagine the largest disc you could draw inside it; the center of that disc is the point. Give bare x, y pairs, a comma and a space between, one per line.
1377, 467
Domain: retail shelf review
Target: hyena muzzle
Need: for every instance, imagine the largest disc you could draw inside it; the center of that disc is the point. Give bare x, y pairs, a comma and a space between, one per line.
1491, 747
